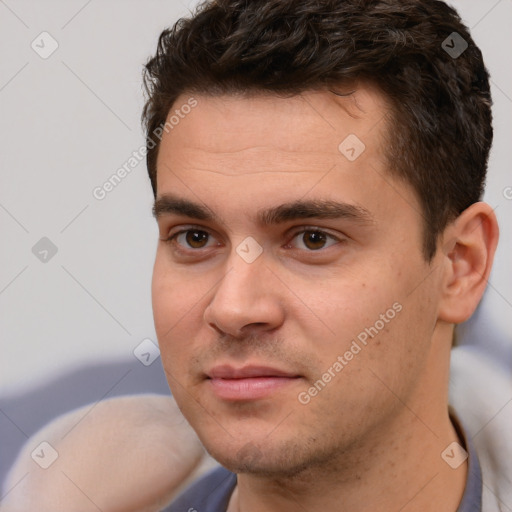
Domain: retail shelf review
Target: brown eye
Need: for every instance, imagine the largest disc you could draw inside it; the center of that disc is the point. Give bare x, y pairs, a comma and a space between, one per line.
314, 240
195, 238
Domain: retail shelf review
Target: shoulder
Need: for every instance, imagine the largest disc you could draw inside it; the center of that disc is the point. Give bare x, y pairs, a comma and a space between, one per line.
210, 493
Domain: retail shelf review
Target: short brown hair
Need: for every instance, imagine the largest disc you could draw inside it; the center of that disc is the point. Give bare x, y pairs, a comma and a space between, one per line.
442, 121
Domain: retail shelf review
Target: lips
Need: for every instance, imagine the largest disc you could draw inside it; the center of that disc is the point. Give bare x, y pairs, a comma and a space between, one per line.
249, 382
247, 372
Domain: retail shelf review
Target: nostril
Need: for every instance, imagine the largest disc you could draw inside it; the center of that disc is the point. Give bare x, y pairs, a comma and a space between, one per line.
217, 330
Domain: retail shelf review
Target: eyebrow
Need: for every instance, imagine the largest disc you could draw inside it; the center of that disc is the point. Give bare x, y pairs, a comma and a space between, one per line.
295, 210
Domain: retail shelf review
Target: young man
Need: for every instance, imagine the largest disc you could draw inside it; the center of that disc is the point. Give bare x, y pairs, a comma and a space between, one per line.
317, 170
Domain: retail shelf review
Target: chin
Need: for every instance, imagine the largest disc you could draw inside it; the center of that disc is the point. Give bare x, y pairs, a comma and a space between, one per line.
266, 460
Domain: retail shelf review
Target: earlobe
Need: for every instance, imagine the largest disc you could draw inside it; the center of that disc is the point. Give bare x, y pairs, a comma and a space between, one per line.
469, 244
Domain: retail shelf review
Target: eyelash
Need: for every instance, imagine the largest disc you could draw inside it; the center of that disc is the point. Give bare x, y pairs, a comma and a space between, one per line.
171, 240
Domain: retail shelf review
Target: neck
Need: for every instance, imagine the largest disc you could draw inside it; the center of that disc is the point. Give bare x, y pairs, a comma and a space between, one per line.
397, 468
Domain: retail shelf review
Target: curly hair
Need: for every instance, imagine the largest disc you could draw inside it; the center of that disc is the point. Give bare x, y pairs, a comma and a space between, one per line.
441, 104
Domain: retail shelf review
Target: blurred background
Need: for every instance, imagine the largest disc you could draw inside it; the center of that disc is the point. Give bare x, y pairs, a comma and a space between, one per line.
75, 258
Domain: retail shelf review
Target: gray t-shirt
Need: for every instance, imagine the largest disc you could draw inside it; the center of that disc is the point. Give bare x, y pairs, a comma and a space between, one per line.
212, 492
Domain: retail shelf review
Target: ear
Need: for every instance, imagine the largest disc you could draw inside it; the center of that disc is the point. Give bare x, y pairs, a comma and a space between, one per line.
469, 244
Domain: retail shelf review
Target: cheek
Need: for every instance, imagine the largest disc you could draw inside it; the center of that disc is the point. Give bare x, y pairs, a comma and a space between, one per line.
351, 302
164, 301
173, 301
373, 319
172, 290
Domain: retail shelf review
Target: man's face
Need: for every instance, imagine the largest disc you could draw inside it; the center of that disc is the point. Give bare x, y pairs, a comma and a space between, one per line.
293, 306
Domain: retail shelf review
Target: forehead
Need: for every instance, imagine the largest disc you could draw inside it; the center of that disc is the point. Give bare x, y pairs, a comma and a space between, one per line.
236, 153
313, 121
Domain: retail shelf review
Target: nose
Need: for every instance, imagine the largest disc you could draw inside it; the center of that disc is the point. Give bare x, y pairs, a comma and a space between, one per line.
247, 300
